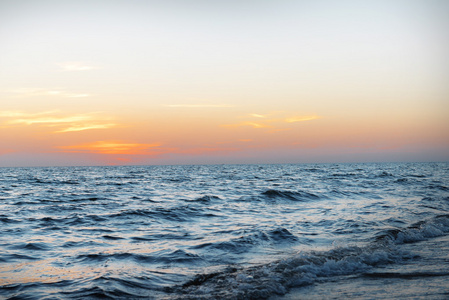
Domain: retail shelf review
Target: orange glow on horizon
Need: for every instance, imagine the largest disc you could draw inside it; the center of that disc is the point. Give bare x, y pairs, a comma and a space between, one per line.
113, 147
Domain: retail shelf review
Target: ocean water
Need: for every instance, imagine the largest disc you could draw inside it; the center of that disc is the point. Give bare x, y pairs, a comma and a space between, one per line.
306, 231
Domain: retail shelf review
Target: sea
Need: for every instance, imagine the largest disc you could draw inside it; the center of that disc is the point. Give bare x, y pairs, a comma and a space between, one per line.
269, 231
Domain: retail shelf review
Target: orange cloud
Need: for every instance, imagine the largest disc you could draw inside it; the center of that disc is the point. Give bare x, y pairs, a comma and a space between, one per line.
113, 147
119, 152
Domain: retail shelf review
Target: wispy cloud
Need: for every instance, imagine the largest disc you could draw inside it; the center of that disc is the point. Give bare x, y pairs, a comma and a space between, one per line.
276, 121
200, 105
34, 92
301, 119
76, 66
30, 120
250, 124
86, 127
258, 116
66, 123
19, 114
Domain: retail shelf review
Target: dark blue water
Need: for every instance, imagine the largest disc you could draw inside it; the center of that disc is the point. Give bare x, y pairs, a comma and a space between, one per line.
225, 232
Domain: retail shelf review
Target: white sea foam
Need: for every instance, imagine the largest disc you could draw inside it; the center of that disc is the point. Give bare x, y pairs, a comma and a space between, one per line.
307, 268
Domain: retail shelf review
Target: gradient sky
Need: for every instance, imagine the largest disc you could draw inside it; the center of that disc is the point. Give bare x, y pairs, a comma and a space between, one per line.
238, 81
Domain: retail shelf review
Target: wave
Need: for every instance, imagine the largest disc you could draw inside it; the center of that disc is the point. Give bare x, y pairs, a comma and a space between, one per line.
345, 194
282, 235
439, 187
14, 257
89, 199
79, 244
384, 174
163, 236
72, 219
225, 249
113, 287
303, 196
176, 214
289, 195
163, 257
420, 231
23, 203
205, 199
302, 269
41, 181
401, 275
264, 281
31, 246
112, 237
6, 220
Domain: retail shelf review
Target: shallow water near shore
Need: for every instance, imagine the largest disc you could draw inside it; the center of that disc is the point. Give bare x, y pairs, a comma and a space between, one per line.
225, 231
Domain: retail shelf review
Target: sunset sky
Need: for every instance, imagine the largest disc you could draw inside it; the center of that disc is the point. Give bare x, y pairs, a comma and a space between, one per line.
110, 82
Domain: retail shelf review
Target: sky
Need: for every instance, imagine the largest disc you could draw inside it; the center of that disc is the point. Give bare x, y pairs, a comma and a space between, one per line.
129, 82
